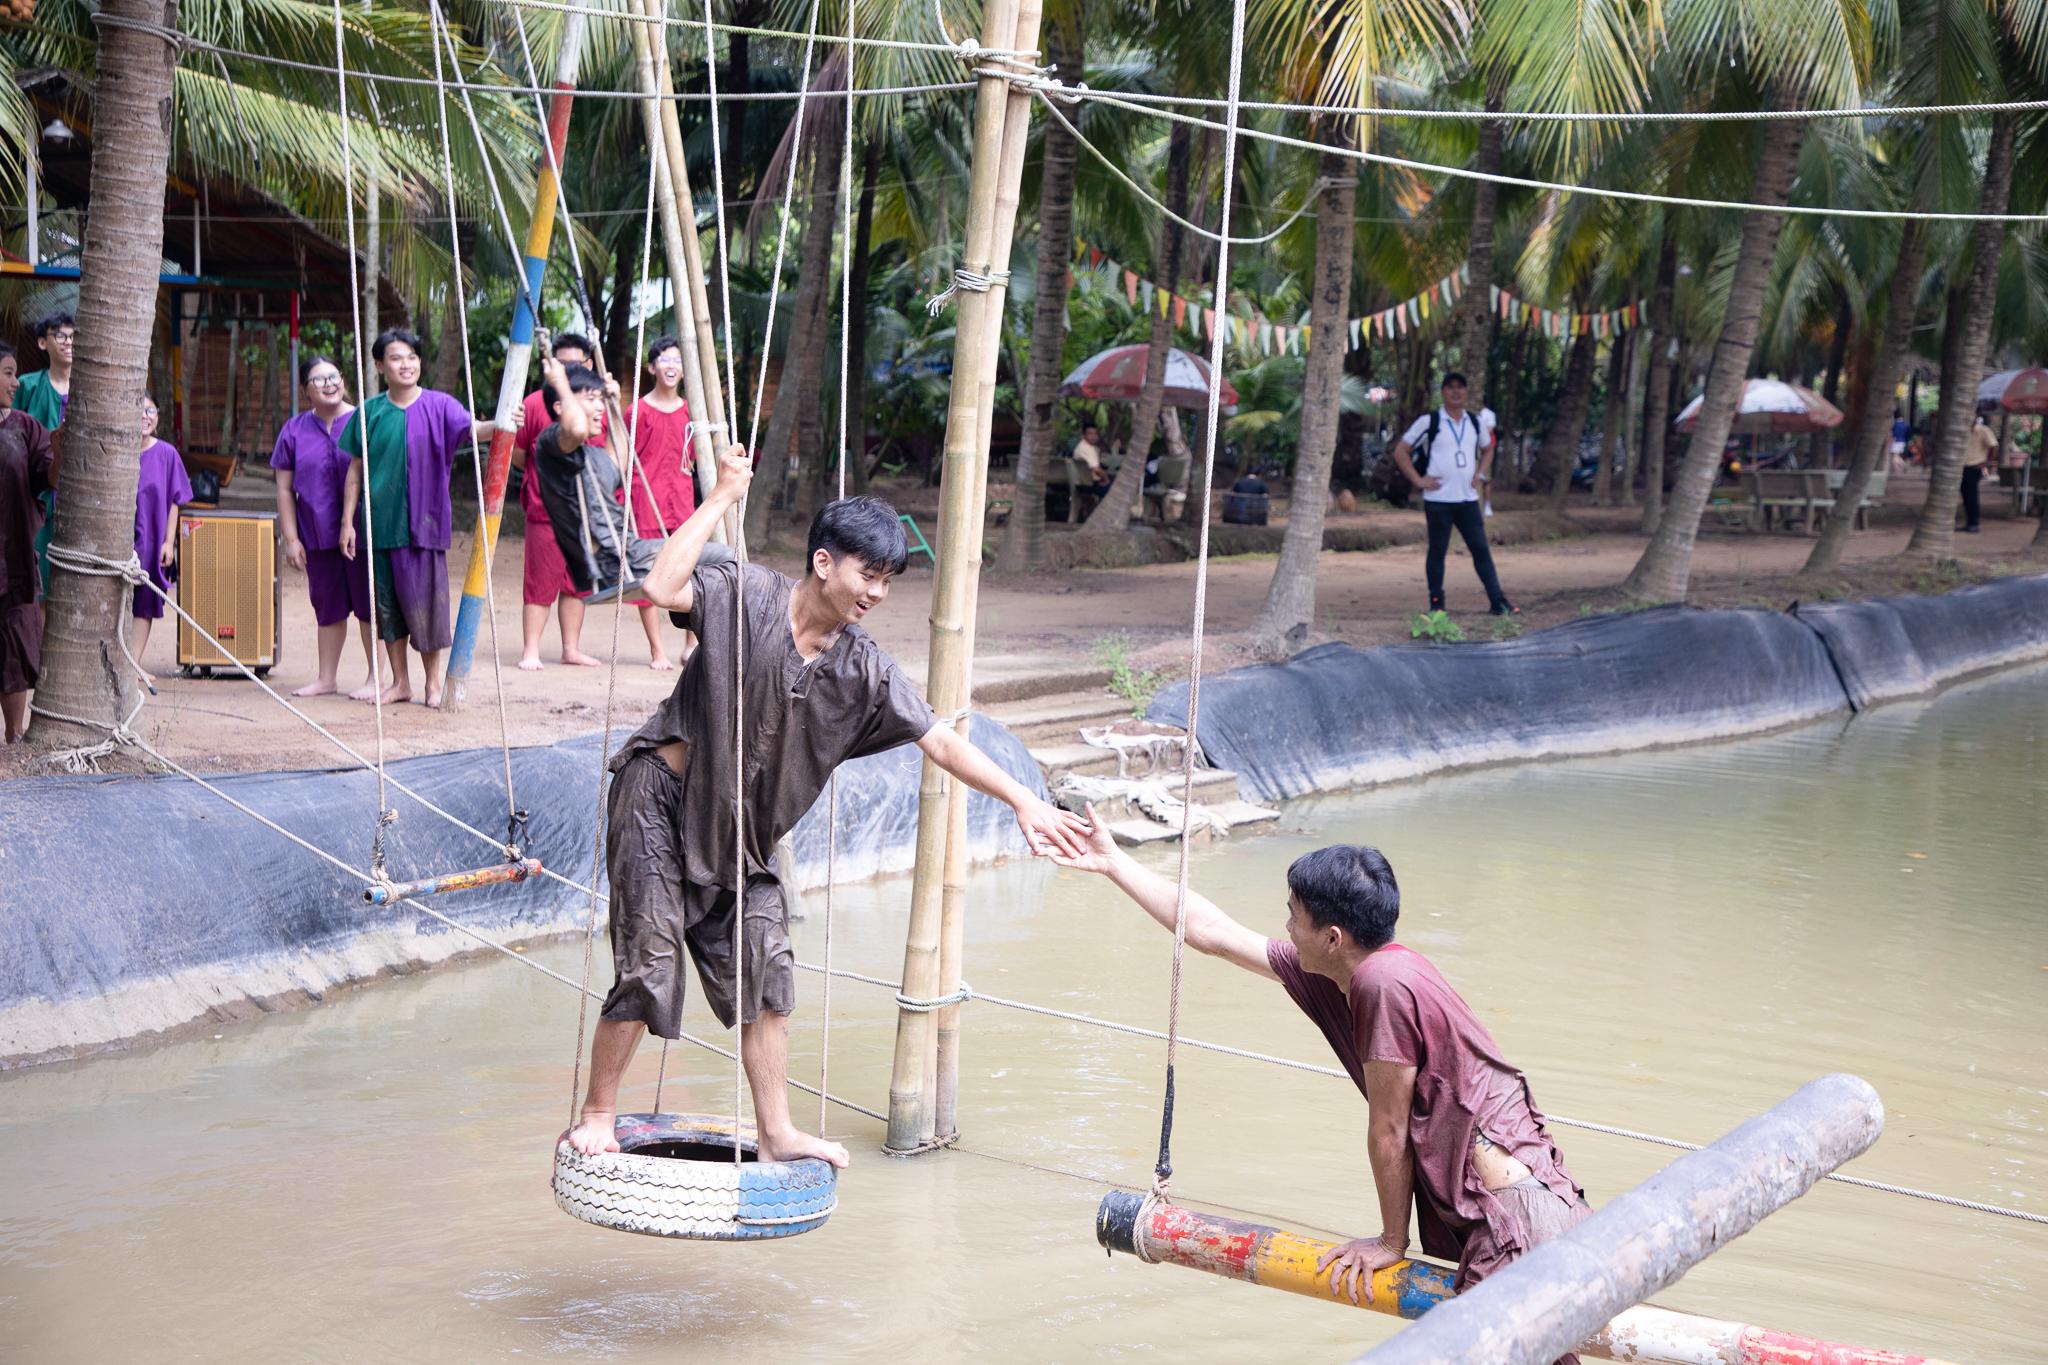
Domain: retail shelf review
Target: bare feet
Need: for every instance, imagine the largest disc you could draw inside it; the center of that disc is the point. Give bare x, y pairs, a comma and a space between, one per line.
531, 663
795, 1144
595, 1132
434, 695
396, 693
364, 693
321, 687
580, 660
661, 663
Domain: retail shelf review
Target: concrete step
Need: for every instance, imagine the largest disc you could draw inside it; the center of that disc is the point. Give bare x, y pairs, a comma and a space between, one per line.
1000, 678
1135, 831
1088, 760
1060, 715
1211, 784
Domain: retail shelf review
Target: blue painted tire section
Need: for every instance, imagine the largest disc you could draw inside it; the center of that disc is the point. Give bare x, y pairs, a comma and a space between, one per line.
711, 1200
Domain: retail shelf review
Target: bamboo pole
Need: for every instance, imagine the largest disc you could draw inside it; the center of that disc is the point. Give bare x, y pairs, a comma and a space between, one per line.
952, 597
953, 902
700, 361
518, 353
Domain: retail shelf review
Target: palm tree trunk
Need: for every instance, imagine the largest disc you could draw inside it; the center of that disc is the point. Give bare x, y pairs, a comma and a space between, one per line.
1474, 324
1874, 418
798, 390
1666, 566
1935, 533
1560, 452
83, 674
1289, 611
1639, 343
857, 333
618, 313
1112, 516
1657, 390
1023, 547
372, 256
1610, 423
1820, 449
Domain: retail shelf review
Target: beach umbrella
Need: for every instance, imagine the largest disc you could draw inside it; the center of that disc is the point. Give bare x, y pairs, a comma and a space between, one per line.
1118, 375
2021, 391
1771, 406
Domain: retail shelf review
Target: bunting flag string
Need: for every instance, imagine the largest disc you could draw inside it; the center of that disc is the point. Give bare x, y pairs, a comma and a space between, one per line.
1266, 337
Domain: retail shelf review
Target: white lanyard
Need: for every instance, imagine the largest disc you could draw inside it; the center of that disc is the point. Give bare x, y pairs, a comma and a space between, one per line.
1458, 438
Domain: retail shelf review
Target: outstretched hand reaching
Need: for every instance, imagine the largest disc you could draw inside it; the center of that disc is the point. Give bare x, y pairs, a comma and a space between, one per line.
1097, 849
1052, 832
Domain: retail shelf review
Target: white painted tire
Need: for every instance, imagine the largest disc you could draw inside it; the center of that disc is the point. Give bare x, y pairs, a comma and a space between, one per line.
646, 1188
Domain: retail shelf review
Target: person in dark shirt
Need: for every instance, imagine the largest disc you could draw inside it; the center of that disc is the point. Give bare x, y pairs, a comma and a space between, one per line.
579, 480
684, 857
1451, 1125
27, 472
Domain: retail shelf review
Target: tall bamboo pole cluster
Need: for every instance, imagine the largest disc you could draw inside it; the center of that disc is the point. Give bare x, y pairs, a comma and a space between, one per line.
923, 1084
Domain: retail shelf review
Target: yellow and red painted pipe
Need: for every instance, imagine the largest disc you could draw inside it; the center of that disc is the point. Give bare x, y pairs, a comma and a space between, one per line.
388, 893
1154, 1230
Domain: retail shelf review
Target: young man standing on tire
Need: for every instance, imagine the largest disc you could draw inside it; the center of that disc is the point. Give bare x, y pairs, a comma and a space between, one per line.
1457, 463
813, 690
1453, 1134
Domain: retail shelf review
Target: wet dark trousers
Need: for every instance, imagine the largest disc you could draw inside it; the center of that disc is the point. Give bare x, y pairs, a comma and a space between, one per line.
1470, 522
1973, 504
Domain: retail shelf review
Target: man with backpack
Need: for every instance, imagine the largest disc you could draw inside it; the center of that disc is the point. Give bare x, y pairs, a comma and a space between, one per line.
1453, 463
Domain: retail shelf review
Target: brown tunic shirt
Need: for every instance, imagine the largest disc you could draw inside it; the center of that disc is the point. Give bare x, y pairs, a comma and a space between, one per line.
802, 719
24, 475
1401, 1010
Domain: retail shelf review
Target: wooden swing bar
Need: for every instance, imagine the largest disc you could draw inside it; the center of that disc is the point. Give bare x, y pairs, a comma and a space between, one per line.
387, 893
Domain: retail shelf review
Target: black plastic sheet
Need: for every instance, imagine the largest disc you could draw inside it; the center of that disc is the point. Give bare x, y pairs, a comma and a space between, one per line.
1893, 647
132, 904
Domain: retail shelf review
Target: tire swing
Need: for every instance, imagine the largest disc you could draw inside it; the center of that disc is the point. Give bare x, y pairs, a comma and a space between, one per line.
674, 1176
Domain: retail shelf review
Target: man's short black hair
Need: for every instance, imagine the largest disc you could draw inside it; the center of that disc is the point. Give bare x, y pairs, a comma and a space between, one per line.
566, 341
1350, 886
389, 335
50, 322
664, 342
580, 379
864, 527
1455, 378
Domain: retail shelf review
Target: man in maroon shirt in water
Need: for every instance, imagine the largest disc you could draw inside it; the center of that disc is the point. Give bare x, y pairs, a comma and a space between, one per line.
1451, 1124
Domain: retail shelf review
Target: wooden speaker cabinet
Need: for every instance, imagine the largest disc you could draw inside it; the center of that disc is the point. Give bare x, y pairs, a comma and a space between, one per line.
228, 581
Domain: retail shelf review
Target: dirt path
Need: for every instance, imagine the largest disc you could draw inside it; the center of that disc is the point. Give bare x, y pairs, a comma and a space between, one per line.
1029, 627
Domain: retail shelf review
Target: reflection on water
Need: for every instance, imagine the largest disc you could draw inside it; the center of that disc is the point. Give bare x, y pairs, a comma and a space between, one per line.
1666, 941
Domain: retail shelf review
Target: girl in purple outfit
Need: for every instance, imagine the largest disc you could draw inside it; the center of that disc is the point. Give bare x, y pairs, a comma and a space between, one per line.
161, 488
310, 472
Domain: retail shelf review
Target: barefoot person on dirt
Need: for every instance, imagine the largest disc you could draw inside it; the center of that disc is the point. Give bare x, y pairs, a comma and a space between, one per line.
1451, 1125
413, 436
544, 580
161, 488
310, 473
1457, 448
27, 472
817, 691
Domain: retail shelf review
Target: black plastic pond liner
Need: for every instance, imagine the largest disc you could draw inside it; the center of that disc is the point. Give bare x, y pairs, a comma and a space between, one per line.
1335, 717
133, 904
1889, 648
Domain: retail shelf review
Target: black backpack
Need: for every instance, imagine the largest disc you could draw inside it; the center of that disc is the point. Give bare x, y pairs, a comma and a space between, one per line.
1420, 456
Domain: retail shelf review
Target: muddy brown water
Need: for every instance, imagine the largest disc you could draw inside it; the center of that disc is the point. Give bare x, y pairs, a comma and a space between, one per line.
1666, 941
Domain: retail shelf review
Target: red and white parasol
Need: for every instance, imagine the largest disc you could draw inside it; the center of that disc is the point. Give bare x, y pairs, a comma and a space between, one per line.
1771, 406
1118, 375
2021, 391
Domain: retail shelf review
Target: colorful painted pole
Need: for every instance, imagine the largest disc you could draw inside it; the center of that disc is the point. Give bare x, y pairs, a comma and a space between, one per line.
386, 893
518, 353
1278, 1259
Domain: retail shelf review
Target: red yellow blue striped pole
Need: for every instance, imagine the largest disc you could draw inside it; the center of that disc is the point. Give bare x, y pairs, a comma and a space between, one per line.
518, 353
1160, 1232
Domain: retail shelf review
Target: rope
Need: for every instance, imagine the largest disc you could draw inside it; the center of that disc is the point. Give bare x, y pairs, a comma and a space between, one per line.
1162, 1173
973, 281
515, 819
385, 814
898, 44
1322, 183
916, 1006
1554, 186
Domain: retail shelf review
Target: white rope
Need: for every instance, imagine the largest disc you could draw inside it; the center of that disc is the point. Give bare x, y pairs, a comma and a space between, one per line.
732, 382
1163, 1173
513, 820
1322, 183
960, 995
899, 44
973, 281
1555, 186
368, 549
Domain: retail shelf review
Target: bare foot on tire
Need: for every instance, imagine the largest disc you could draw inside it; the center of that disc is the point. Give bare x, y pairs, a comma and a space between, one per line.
595, 1132
795, 1145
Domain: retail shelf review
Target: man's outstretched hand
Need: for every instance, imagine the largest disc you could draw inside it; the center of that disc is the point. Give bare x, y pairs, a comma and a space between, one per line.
1355, 1263
1097, 849
1050, 831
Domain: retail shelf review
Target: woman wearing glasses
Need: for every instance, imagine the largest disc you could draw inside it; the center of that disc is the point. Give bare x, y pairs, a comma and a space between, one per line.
310, 471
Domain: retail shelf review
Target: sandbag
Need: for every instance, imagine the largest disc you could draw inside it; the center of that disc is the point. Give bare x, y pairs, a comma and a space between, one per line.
1335, 717
134, 904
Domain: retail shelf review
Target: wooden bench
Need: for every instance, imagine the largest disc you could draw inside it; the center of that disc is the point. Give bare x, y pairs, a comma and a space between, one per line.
1873, 492
1781, 493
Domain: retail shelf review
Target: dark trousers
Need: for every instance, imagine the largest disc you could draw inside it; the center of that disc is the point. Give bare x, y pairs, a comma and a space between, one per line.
1470, 523
1973, 505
